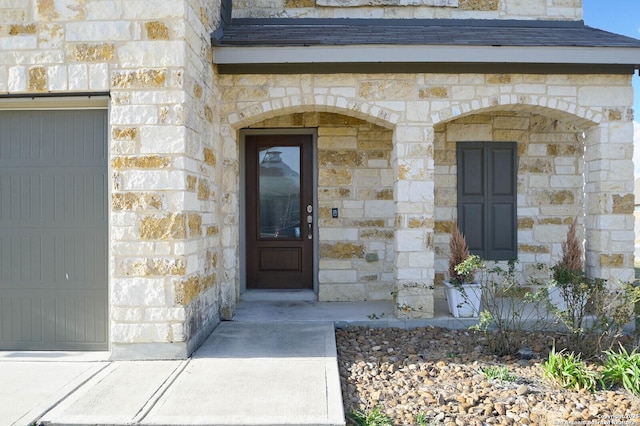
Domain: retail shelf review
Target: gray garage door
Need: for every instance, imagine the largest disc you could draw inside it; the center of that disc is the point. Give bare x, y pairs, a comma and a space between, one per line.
53, 230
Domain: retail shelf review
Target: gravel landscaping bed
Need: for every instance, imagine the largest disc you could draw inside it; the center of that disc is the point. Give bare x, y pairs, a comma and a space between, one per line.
438, 374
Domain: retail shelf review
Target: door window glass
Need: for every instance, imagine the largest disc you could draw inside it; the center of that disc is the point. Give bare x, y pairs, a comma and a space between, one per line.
279, 186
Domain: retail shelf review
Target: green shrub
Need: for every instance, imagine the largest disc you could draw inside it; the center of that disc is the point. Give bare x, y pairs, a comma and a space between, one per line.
568, 371
622, 368
500, 373
423, 420
510, 309
370, 418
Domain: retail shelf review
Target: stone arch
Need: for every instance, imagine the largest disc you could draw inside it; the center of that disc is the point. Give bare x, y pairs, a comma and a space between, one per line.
260, 111
581, 117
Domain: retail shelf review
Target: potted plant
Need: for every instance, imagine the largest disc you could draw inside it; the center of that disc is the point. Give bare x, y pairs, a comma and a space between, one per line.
462, 291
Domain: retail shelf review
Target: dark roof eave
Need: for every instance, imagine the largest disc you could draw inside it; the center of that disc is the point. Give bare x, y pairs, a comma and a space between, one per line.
425, 68
395, 54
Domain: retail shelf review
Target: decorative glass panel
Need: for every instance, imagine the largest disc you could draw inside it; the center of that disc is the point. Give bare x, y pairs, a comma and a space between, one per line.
279, 186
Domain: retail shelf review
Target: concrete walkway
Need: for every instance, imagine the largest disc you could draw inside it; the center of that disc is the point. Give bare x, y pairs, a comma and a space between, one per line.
245, 373
274, 364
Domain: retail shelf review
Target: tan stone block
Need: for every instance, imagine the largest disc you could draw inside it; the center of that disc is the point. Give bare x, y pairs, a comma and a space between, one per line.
195, 224
60, 9
333, 119
499, 78
555, 198
374, 223
623, 204
374, 194
210, 157
340, 158
535, 165
511, 123
333, 193
479, 5
612, 260
474, 119
442, 226
521, 136
204, 191
156, 30
187, 290
153, 267
84, 52
135, 201
525, 223
341, 251
191, 182
340, 142
335, 177
421, 222
376, 234
299, 3
566, 150
555, 221
387, 89
37, 79
171, 226
212, 230
530, 248
434, 92
21, 29
615, 115
469, 132
339, 131
144, 78
125, 133
142, 162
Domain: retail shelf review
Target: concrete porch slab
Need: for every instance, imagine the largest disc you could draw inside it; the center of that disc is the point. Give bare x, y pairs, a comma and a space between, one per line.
250, 373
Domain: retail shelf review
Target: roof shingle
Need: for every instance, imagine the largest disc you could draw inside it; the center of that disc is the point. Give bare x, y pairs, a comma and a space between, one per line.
343, 32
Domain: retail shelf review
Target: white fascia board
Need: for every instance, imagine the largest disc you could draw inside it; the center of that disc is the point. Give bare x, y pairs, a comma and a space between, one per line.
426, 54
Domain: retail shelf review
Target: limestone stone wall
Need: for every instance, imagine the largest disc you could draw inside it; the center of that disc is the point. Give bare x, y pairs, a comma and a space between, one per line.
571, 129
550, 181
356, 250
410, 9
153, 58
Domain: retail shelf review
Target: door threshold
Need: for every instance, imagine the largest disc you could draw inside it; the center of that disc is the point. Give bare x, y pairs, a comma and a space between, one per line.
279, 296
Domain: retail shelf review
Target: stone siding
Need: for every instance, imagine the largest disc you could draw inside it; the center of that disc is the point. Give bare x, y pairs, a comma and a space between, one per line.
154, 59
355, 176
569, 129
550, 175
385, 153
568, 10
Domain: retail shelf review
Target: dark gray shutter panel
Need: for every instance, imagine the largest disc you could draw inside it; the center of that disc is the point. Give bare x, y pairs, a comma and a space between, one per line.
472, 195
487, 198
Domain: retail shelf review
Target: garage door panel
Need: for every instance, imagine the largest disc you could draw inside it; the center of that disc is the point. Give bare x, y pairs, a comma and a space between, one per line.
47, 197
53, 258
53, 230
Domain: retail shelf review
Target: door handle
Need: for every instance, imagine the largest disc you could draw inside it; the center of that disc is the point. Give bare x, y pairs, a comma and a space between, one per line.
310, 221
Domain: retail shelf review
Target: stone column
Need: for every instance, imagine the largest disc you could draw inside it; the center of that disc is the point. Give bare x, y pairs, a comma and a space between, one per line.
609, 200
414, 221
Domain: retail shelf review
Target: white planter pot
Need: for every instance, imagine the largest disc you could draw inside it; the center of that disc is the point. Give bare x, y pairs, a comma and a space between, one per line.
461, 306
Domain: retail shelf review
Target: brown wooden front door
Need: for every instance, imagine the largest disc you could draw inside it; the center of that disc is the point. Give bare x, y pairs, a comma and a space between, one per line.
279, 211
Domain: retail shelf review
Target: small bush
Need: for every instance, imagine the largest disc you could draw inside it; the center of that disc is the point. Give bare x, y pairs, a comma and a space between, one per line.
509, 308
568, 371
622, 368
423, 420
370, 418
500, 373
